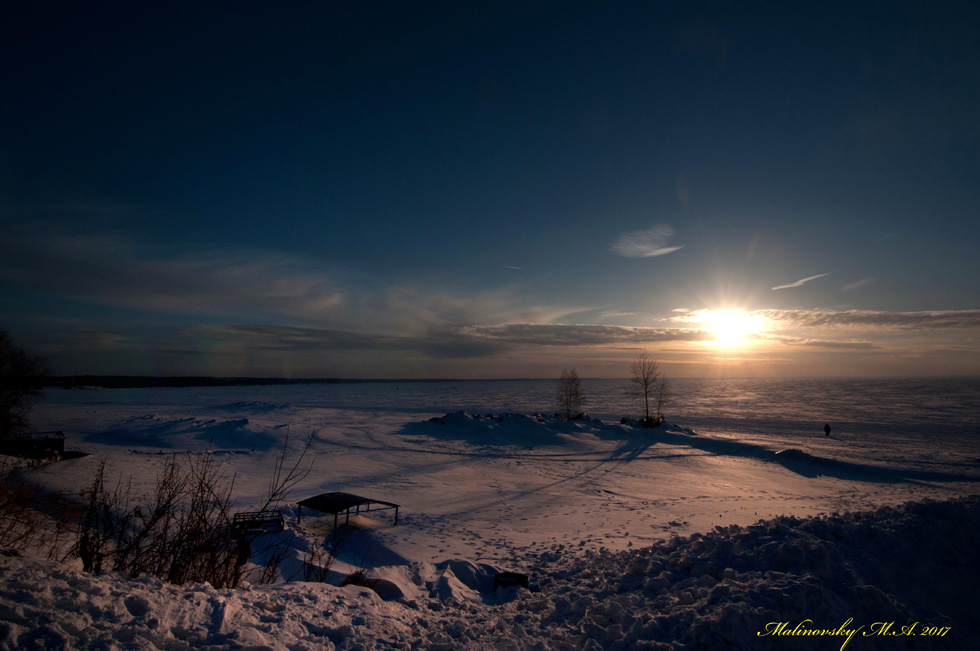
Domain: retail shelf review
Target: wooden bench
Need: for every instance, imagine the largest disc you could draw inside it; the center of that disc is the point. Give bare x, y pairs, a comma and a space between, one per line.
258, 521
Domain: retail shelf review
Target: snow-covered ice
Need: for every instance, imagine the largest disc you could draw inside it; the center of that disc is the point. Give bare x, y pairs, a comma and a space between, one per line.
631, 538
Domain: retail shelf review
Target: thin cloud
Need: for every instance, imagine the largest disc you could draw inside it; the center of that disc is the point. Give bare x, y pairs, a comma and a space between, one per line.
875, 320
240, 285
646, 243
578, 335
858, 283
101, 269
800, 282
445, 344
824, 343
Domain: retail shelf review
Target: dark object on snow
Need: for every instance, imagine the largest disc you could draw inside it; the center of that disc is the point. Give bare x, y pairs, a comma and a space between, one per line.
826, 429
258, 522
335, 503
650, 423
507, 579
34, 445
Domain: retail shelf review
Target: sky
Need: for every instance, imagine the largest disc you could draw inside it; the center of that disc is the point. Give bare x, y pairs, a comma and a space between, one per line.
491, 190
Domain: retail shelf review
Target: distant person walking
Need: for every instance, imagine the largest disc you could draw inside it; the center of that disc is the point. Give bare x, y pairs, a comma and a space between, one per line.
826, 429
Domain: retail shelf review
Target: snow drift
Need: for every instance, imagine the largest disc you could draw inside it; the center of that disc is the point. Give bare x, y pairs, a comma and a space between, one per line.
846, 576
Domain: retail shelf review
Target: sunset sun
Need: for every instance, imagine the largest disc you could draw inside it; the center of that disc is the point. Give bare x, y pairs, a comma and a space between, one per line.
730, 328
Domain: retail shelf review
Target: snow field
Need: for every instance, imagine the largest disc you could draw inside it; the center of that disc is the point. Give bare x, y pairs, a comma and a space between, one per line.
910, 564
665, 538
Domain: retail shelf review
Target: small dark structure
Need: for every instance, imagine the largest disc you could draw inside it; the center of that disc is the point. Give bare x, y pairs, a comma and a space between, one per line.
258, 522
507, 579
337, 502
34, 445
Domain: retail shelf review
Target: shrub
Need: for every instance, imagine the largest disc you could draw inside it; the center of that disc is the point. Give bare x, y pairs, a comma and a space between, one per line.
181, 533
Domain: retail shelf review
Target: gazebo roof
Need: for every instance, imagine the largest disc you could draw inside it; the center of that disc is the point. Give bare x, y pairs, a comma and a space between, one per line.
338, 502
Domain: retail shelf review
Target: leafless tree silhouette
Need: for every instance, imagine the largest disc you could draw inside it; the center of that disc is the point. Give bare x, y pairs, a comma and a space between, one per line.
647, 382
570, 394
21, 377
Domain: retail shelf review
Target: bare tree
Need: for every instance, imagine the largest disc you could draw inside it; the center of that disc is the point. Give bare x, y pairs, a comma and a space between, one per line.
283, 481
648, 382
570, 394
662, 396
21, 376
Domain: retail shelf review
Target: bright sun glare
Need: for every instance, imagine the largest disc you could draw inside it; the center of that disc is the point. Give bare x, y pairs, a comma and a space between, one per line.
730, 327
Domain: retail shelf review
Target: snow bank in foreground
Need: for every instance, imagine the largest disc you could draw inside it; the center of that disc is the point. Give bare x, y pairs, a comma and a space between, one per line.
848, 574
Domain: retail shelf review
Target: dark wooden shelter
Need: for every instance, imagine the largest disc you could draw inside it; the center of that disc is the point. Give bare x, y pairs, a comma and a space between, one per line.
336, 503
34, 445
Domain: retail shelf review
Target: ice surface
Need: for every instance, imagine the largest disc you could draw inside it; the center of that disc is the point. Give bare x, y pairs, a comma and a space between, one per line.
632, 538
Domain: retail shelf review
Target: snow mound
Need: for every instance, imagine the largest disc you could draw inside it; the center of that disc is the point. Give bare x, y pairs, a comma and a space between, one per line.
524, 430
255, 406
46, 606
150, 430
453, 581
724, 588
795, 454
490, 429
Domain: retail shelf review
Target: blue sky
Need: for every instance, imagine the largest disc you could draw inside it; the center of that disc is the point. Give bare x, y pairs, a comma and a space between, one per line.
445, 190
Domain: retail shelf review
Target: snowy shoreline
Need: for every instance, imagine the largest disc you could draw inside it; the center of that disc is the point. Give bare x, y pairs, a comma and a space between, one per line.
631, 538
732, 587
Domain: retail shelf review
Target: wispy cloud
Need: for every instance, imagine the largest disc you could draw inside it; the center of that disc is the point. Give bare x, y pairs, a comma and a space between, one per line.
850, 344
800, 282
578, 335
242, 285
875, 320
858, 283
108, 270
437, 344
470, 341
646, 243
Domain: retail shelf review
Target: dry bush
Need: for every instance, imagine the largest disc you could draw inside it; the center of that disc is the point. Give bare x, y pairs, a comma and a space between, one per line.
282, 481
21, 521
182, 533
359, 578
276, 554
320, 557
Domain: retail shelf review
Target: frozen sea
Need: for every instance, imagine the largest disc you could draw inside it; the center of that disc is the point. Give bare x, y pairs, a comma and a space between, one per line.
876, 418
695, 535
